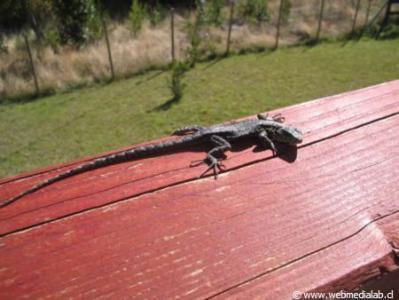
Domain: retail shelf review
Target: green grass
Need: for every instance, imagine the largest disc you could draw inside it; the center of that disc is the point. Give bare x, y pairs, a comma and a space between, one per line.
68, 126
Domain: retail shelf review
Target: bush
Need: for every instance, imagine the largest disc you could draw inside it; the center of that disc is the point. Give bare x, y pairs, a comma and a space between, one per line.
52, 39
193, 30
200, 10
213, 12
94, 23
12, 14
391, 31
19, 43
136, 16
253, 10
15, 15
156, 14
285, 11
73, 17
3, 47
194, 34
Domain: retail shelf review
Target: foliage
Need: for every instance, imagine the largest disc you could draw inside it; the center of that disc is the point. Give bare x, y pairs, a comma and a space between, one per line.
193, 29
17, 15
253, 10
391, 31
94, 23
156, 14
194, 36
12, 14
136, 16
199, 4
40, 8
73, 19
3, 46
285, 11
19, 43
52, 38
213, 12
175, 84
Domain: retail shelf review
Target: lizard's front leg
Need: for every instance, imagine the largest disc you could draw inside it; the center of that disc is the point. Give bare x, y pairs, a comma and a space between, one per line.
266, 142
221, 146
277, 118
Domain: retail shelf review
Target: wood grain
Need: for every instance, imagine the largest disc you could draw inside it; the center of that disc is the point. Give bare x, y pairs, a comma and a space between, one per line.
267, 227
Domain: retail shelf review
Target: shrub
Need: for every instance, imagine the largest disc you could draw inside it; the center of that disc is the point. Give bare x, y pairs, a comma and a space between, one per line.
194, 34
12, 14
3, 46
136, 16
285, 11
52, 39
73, 17
253, 10
94, 23
19, 43
213, 12
156, 14
193, 30
199, 4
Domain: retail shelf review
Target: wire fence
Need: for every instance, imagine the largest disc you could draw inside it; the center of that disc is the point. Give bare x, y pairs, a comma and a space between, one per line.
34, 70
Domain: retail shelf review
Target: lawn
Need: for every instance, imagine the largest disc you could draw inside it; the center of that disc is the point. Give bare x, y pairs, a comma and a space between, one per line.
87, 121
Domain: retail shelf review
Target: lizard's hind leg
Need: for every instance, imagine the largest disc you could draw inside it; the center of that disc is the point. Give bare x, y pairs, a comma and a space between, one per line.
187, 130
214, 163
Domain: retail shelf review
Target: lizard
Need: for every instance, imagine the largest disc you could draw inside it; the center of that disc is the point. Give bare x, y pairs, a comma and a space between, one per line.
264, 129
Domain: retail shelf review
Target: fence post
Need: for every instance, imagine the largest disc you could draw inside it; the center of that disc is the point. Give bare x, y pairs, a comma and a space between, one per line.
367, 13
32, 65
355, 18
172, 33
230, 27
111, 64
280, 12
321, 14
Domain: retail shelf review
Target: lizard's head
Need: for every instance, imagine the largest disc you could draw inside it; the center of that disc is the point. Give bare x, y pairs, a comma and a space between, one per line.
287, 135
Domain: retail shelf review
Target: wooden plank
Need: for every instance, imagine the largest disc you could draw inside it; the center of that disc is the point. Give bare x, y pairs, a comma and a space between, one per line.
319, 119
268, 227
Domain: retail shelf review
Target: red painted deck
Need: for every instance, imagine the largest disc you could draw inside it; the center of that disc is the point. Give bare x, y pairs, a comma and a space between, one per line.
267, 227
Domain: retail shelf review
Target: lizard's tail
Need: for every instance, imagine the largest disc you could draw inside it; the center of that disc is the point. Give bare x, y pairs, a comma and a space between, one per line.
142, 151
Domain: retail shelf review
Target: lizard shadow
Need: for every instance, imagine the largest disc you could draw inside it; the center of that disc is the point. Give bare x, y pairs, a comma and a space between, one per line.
285, 152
